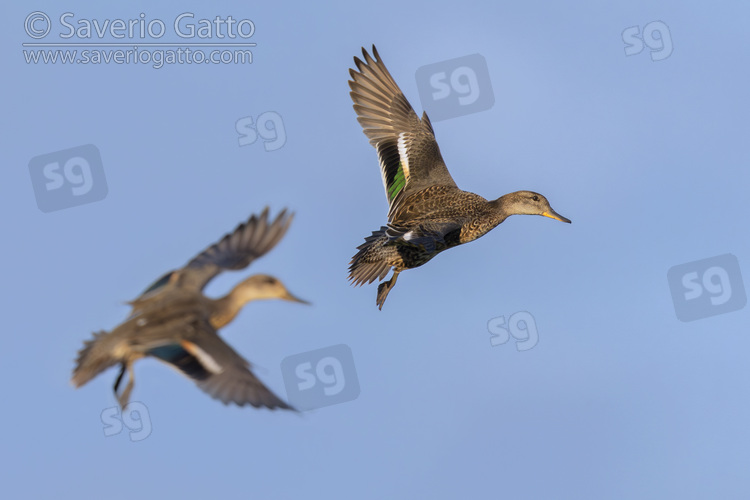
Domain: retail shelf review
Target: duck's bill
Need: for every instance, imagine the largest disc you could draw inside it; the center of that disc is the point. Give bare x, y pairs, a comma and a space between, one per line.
554, 215
293, 298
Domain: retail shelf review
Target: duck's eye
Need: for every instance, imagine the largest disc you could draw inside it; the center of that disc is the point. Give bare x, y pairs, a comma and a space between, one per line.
535, 198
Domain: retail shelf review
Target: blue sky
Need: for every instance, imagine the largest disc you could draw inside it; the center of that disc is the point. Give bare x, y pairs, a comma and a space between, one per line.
617, 399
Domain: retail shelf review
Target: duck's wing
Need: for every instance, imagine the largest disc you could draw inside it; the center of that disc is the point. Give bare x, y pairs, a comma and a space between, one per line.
157, 285
428, 236
235, 250
215, 367
409, 156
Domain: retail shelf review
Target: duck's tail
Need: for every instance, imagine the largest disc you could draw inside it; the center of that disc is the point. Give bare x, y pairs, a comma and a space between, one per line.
372, 261
95, 357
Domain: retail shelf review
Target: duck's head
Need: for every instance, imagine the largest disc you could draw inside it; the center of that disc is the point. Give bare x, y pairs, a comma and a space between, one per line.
262, 286
529, 203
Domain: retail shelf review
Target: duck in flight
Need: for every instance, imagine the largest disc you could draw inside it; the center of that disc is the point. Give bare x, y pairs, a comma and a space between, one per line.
174, 322
427, 212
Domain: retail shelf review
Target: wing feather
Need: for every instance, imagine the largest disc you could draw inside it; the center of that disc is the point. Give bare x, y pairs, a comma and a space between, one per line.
410, 158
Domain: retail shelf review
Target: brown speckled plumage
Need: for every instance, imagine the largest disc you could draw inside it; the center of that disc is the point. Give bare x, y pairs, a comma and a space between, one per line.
427, 212
174, 322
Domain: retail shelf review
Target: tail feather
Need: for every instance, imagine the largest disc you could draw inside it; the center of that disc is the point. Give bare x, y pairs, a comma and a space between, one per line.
93, 359
370, 263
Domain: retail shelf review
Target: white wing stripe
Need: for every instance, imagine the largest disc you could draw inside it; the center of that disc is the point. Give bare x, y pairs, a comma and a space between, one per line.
403, 154
205, 359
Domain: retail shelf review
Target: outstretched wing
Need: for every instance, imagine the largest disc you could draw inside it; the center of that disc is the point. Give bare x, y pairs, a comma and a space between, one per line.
236, 250
159, 284
409, 156
216, 368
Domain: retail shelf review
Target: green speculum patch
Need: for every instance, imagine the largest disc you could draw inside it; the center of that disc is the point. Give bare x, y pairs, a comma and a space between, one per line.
398, 183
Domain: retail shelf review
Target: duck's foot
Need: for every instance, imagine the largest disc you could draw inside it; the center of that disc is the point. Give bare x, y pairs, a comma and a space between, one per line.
124, 397
123, 367
384, 288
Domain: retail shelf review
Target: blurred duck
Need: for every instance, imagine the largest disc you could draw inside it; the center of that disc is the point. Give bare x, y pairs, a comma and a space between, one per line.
174, 322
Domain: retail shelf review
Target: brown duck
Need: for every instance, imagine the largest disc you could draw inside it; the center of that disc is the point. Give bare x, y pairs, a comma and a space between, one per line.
175, 323
427, 212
